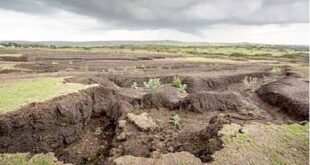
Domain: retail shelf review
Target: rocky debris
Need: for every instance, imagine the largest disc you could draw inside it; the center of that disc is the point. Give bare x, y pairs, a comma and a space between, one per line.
85, 150
205, 142
136, 147
122, 123
164, 159
212, 101
290, 94
142, 121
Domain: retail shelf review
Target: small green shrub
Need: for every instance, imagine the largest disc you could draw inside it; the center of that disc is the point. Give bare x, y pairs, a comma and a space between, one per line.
276, 70
183, 88
152, 83
134, 85
84, 68
175, 120
55, 62
177, 81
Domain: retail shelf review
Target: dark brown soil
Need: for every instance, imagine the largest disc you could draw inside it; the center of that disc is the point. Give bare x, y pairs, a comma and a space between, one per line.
92, 127
290, 94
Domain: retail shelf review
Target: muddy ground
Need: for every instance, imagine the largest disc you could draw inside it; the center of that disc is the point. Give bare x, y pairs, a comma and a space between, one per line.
114, 124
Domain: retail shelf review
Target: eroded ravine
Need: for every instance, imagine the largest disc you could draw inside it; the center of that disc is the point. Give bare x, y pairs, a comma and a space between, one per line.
93, 127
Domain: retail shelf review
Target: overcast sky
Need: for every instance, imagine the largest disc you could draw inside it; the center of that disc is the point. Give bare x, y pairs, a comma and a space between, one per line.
259, 21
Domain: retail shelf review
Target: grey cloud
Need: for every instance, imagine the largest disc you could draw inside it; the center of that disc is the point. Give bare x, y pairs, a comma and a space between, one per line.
182, 15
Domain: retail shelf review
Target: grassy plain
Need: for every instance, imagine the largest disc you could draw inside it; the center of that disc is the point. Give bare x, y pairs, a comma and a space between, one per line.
14, 95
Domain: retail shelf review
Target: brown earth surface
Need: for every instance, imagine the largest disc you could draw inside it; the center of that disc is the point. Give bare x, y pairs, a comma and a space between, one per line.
114, 124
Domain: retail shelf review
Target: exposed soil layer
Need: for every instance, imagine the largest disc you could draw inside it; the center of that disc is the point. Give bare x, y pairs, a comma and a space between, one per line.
290, 94
102, 124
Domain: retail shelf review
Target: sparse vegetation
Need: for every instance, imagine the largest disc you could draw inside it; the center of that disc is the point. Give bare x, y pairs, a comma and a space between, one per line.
276, 70
183, 88
16, 94
134, 85
55, 62
11, 55
84, 68
152, 83
271, 143
175, 120
177, 82
26, 159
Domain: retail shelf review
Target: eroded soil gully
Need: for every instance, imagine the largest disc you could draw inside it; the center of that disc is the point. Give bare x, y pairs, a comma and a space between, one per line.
84, 127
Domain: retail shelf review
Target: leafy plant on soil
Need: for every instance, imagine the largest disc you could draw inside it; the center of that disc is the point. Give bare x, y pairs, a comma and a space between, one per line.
134, 85
177, 82
249, 82
152, 83
183, 88
84, 68
175, 120
55, 62
275, 70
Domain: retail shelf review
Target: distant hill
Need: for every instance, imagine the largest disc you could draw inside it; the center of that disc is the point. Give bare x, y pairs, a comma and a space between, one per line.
100, 43
119, 43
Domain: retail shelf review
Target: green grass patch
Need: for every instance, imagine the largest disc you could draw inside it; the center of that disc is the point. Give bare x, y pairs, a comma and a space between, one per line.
204, 59
14, 95
26, 159
296, 129
11, 55
278, 144
6, 66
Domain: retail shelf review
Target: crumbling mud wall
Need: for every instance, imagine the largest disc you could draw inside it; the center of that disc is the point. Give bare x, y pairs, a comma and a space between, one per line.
43, 127
290, 94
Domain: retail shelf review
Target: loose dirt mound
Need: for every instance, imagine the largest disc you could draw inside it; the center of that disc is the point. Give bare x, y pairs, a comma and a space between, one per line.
290, 94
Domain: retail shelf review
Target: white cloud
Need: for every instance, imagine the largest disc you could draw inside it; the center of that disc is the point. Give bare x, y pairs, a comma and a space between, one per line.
295, 34
67, 26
